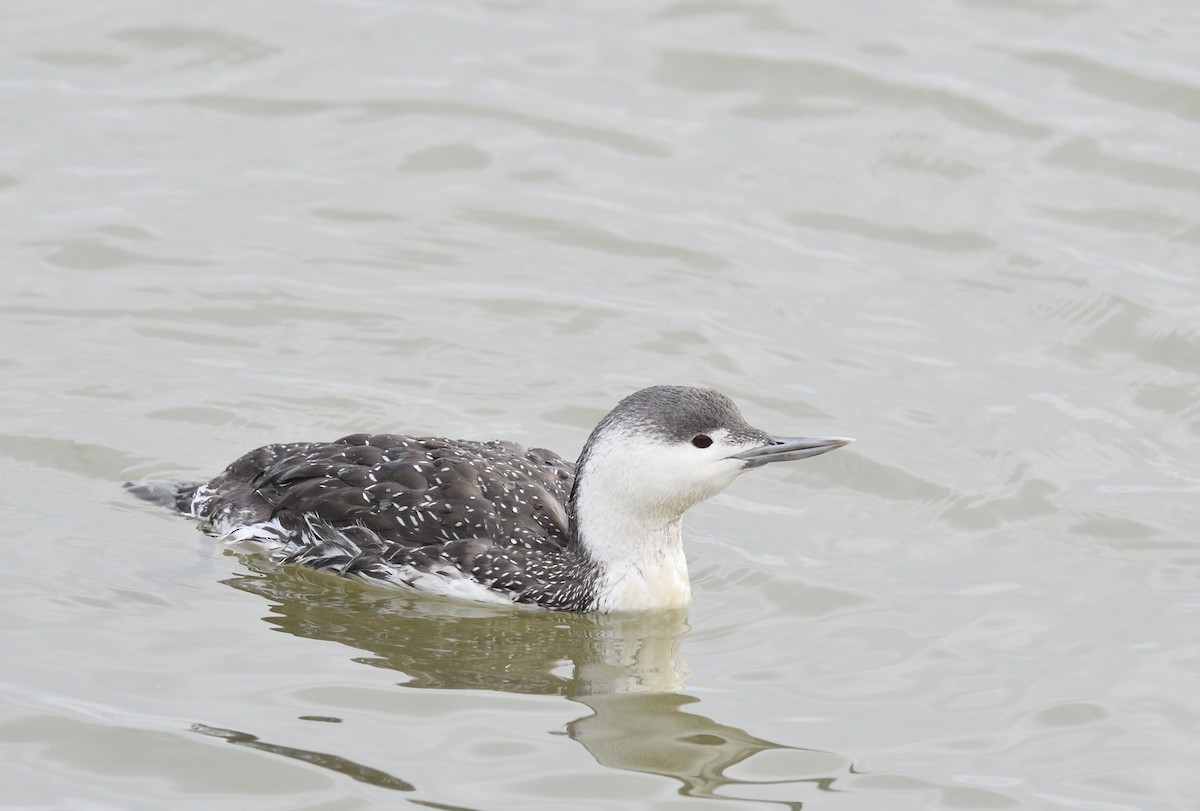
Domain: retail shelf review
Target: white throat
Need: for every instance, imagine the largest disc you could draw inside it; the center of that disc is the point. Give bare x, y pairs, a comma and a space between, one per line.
629, 511
642, 566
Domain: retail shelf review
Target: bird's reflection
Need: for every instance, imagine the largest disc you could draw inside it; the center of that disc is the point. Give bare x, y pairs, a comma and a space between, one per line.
451, 645
627, 669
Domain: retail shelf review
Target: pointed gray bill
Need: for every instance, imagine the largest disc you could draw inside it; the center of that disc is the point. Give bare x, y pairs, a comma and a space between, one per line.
785, 449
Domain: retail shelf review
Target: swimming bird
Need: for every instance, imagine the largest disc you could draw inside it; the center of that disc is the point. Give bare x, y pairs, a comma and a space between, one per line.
493, 521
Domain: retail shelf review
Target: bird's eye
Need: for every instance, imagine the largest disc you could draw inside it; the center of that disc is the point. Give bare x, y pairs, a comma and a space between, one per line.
701, 440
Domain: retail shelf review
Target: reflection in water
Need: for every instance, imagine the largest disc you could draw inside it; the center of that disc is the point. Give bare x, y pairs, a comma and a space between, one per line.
626, 669
357, 771
650, 733
443, 644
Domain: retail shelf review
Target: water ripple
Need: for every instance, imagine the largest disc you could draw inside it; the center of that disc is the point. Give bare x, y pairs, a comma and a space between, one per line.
779, 82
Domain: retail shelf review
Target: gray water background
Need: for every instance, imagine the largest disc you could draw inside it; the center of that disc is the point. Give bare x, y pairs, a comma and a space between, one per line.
966, 233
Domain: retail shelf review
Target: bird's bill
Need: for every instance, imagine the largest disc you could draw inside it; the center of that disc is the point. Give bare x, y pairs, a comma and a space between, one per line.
785, 449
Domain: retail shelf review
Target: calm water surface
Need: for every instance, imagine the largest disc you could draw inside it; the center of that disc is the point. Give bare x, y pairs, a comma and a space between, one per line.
967, 233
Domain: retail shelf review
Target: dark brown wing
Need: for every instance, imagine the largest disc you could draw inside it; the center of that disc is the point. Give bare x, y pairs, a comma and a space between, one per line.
406, 491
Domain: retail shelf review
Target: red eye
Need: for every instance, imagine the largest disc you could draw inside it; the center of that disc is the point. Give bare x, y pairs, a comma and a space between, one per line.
701, 440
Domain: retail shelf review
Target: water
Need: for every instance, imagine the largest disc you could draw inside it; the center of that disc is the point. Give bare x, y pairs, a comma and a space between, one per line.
964, 232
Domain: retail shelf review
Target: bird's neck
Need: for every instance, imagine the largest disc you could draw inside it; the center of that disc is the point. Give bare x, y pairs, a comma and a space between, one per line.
635, 544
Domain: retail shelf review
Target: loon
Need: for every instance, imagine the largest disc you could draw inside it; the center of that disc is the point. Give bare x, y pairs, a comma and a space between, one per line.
493, 521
